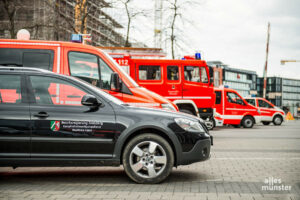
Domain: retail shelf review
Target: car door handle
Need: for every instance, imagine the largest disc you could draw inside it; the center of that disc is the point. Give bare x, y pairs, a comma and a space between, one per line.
41, 114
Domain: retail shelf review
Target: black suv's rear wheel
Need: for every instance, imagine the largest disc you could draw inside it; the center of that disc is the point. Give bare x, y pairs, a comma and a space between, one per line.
148, 158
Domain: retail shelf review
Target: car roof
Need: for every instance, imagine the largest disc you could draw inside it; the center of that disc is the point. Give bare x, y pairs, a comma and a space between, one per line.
23, 69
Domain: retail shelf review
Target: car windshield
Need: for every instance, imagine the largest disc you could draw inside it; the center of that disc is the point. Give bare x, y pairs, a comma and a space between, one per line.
120, 68
101, 92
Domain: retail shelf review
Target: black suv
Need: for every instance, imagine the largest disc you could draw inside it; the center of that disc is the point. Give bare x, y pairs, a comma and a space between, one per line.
48, 119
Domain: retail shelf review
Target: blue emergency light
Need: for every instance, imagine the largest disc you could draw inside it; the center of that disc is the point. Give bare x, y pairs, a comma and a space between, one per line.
226, 86
253, 95
198, 56
76, 38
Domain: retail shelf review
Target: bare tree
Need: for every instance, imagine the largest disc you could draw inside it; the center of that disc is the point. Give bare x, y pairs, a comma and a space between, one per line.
132, 14
176, 10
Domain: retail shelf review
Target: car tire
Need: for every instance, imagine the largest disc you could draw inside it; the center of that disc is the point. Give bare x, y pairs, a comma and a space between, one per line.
248, 122
266, 123
277, 121
148, 158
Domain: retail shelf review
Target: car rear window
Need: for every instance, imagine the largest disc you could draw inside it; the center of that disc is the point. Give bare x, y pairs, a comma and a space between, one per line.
37, 58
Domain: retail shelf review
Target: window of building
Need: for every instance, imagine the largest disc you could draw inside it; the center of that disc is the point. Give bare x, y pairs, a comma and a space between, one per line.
192, 73
10, 89
172, 73
85, 67
218, 97
264, 104
149, 72
53, 91
234, 98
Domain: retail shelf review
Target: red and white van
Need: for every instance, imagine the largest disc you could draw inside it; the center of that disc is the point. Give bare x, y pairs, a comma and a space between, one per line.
83, 61
234, 109
269, 112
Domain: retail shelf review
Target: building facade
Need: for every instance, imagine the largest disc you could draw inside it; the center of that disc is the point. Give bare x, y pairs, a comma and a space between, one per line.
243, 81
58, 19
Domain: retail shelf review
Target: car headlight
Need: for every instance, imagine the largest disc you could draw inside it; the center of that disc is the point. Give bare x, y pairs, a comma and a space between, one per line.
189, 125
168, 106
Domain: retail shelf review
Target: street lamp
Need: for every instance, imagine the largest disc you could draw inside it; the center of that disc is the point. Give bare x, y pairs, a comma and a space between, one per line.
284, 61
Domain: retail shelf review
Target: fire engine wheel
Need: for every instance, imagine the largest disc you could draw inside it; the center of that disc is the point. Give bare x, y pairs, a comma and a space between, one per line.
277, 121
186, 111
209, 124
148, 158
248, 122
266, 123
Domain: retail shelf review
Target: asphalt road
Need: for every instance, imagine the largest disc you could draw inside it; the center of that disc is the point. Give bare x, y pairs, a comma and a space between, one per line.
258, 163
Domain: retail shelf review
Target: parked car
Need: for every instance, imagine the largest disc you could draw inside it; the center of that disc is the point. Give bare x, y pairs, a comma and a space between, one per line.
234, 109
269, 112
38, 127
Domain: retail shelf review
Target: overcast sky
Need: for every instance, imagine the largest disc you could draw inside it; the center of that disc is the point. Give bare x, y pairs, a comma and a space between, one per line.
235, 32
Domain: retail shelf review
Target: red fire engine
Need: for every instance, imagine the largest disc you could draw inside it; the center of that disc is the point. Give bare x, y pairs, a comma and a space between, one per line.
185, 82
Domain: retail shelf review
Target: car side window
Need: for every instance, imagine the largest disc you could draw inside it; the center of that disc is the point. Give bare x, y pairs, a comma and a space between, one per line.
149, 72
84, 66
10, 89
234, 98
264, 104
192, 73
172, 73
251, 101
54, 91
37, 58
106, 72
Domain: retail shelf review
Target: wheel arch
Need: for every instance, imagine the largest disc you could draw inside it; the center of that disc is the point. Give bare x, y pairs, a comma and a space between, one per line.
187, 103
248, 115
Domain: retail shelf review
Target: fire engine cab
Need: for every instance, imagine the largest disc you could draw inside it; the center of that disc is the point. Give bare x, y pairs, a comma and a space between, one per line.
234, 109
269, 112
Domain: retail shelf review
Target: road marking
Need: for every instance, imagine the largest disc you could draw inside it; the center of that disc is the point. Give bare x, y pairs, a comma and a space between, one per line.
239, 158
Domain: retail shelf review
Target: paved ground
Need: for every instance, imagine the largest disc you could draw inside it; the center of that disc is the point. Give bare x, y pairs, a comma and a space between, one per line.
241, 161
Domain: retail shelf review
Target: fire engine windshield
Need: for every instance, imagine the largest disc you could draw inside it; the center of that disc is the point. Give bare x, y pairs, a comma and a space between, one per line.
120, 68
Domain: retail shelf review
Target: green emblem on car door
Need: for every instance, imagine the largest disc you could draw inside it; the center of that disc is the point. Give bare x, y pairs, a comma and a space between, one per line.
55, 125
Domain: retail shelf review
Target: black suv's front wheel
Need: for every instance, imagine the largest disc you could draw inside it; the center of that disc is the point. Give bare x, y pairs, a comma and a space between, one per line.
148, 158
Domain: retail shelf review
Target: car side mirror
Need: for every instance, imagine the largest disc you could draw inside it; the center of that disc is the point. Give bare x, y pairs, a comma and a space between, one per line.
115, 82
90, 101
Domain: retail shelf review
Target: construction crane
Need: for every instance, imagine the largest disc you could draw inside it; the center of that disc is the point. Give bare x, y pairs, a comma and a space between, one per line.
285, 61
158, 23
